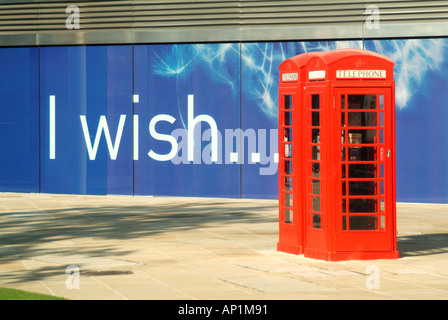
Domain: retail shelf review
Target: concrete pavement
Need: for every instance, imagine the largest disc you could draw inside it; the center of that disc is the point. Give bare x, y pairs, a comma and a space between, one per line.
165, 248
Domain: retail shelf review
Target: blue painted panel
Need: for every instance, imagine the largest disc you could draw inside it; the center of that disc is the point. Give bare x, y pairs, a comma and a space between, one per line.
19, 118
93, 82
165, 77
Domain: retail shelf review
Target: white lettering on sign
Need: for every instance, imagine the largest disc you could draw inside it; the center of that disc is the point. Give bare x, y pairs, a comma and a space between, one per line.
316, 75
290, 76
361, 74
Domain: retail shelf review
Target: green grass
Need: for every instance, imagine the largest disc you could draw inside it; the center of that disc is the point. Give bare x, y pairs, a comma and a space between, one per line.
13, 294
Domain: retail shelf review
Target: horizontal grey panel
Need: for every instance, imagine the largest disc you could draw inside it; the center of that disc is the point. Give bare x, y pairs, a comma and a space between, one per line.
160, 21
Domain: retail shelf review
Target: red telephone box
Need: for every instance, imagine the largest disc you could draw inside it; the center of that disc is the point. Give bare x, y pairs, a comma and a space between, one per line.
337, 156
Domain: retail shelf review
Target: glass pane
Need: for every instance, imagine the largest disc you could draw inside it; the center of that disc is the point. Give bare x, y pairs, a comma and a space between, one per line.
344, 223
315, 119
288, 102
342, 102
362, 136
288, 216
288, 183
316, 170
288, 200
362, 119
315, 101
316, 204
344, 188
381, 119
363, 222
362, 154
316, 221
288, 135
315, 152
288, 118
288, 167
362, 188
381, 102
383, 222
362, 101
362, 171
315, 135
362, 205
344, 206
316, 186
288, 151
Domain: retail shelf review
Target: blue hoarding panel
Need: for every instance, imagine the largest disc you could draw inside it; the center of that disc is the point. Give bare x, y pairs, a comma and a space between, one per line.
188, 96
19, 119
86, 120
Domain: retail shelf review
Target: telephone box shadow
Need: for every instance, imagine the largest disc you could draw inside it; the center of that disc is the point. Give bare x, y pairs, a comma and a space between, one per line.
422, 245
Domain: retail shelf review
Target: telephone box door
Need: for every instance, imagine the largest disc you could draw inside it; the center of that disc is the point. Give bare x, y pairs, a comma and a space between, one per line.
365, 220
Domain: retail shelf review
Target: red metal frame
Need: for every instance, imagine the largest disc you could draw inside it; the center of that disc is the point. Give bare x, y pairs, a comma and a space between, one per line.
343, 156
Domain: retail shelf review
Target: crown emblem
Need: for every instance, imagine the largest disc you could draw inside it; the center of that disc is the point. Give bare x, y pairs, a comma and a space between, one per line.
361, 64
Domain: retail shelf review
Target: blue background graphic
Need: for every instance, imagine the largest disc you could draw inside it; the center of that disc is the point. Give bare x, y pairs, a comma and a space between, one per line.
235, 84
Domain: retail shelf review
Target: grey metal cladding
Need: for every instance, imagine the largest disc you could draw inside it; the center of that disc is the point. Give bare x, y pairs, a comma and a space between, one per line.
24, 23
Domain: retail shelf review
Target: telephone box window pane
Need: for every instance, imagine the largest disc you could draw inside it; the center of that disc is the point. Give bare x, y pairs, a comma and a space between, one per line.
362, 154
316, 186
363, 223
362, 171
316, 152
344, 188
315, 119
382, 187
381, 119
315, 102
362, 188
316, 204
316, 169
342, 102
316, 135
288, 167
381, 102
288, 216
288, 200
362, 101
363, 206
316, 221
344, 206
288, 102
362, 136
344, 223
288, 151
288, 183
381, 136
288, 135
288, 118
383, 222
362, 119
